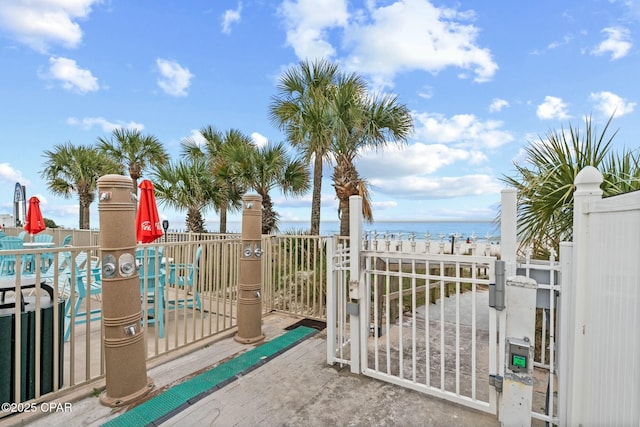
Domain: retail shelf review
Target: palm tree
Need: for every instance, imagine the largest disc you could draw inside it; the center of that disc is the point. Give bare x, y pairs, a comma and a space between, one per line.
545, 181
217, 150
268, 168
302, 110
186, 185
75, 169
362, 122
133, 151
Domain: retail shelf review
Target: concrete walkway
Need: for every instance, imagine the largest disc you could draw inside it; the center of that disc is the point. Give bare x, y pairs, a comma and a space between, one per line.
297, 388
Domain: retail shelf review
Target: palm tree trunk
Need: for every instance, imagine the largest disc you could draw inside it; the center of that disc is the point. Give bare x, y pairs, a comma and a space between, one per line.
223, 218
315, 200
344, 216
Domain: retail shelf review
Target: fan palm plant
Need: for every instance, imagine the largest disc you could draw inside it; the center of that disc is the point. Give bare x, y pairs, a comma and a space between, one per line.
134, 151
267, 168
186, 185
545, 180
217, 152
301, 109
72, 169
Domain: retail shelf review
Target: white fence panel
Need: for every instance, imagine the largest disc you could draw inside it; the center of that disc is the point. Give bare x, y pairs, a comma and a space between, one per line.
603, 346
612, 336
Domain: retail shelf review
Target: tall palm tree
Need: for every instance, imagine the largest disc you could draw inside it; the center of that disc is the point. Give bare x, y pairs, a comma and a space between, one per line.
71, 169
216, 151
187, 184
362, 122
545, 181
267, 168
134, 151
302, 110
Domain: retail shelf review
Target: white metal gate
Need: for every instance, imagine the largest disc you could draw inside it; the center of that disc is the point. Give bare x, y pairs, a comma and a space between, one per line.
417, 319
429, 326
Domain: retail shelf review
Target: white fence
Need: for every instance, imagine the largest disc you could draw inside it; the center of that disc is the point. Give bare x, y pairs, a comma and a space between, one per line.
600, 347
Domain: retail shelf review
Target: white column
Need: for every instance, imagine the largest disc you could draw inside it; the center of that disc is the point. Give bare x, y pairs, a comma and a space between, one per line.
587, 184
509, 229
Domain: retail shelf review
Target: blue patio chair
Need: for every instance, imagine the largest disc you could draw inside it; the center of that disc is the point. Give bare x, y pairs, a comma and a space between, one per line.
46, 258
22, 235
67, 240
152, 284
8, 261
185, 275
83, 284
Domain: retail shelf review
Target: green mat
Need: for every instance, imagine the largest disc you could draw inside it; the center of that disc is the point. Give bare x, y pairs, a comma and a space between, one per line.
179, 397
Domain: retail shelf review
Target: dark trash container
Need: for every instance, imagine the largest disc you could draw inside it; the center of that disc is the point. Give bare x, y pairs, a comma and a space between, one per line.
28, 345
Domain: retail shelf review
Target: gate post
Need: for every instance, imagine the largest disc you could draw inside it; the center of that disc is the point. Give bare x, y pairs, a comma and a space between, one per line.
587, 184
331, 302
517, 389
355, 308
509, 229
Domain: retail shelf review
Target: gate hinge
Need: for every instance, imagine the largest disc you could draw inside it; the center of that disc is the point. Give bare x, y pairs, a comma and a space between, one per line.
496, 290
496, 381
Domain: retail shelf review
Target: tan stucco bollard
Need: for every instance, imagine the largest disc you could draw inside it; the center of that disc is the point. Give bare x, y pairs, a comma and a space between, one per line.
123, 340
250, 277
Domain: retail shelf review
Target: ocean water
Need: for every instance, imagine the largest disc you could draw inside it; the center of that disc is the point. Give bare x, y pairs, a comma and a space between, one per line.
461, 229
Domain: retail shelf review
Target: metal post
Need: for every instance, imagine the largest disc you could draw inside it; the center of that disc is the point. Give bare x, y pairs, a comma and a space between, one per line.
355, 308
250, 279
123, 340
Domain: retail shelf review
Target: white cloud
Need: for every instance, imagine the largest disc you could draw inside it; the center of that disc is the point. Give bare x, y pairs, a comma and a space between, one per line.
464, 130
617, 43
414, 159
609, 103
497, 105
427, 188
565, 41
87, 123
44, 23
229, 17
70, 76
426, 92
552, 108
307, 22
10, 175
411, 35
197, 137
388, 204
400, 36
174, 79
259, 140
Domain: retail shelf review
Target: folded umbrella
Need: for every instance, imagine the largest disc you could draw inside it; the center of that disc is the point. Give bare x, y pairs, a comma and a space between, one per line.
34, 222
148, 225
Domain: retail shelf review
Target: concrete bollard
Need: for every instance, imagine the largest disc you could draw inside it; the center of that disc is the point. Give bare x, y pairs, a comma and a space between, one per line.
250, 277
123, 340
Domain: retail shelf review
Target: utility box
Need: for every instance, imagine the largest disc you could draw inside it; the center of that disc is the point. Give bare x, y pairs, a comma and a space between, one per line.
27, 379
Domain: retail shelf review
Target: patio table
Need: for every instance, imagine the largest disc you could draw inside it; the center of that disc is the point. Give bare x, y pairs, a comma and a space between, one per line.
9, 285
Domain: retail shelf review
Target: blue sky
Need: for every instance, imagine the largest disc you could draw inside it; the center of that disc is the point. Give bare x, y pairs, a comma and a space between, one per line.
482, 78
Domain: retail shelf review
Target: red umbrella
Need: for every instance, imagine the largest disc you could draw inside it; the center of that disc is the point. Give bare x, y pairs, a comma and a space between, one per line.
148, 226
34, 222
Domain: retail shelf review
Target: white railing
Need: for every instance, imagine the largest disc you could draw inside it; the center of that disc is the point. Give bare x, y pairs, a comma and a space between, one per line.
60, 365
